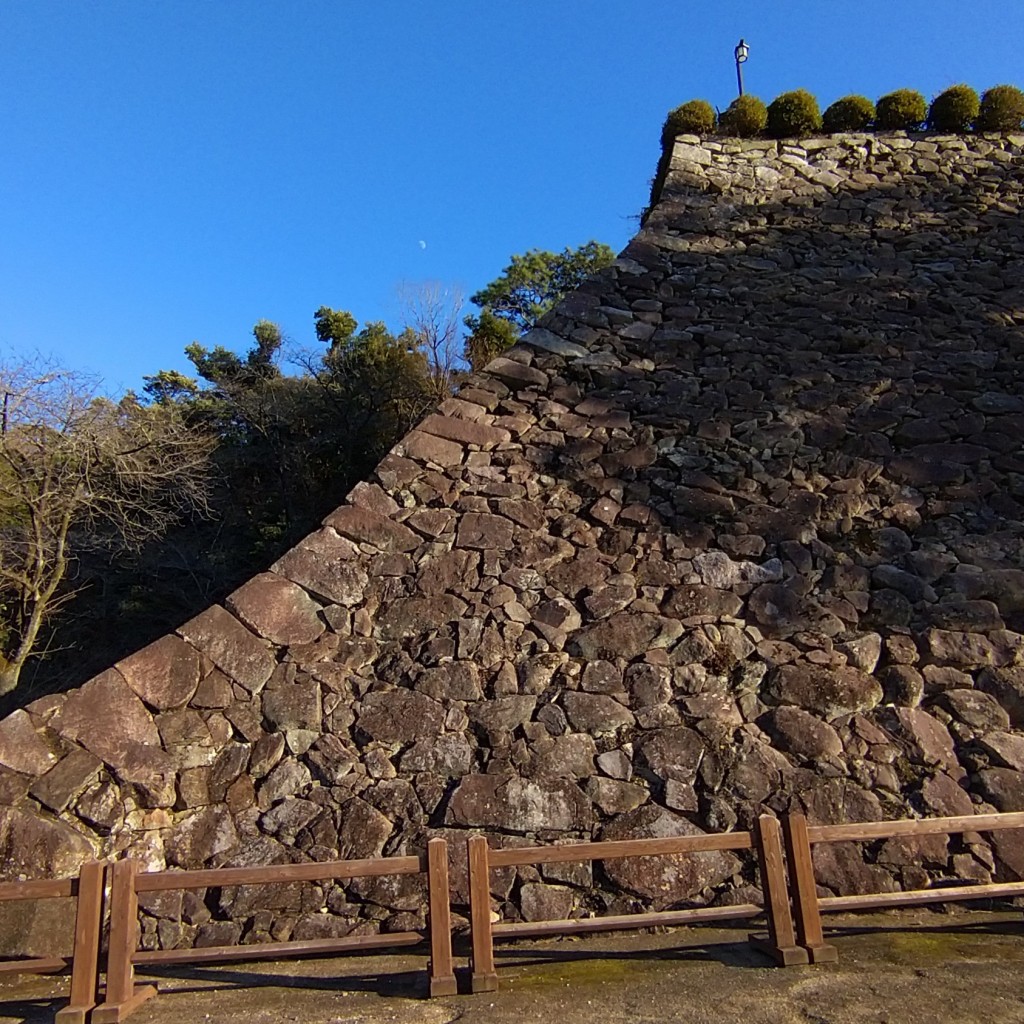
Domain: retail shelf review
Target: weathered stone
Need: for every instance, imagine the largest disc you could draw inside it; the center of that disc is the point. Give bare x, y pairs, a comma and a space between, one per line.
541, 902
518, 805
231, 647
841, 867
614, 797
673, 753
800, 733
1002, 787
569, 756
431, 449
664, 881
457, 680
21, 747
927, 740
830, 691
963, 649
399, 716
34, 847
165, 674
944, 797
402, 619
836, 801
516, 375
1003, 586
504, 714
615, 764
449, 756
1007, 686
200, 836
781, 610
277, 609
288, 778
366, 527
718, 570
862, 652
975, 708
362, 830
696, 602
285, 819
464, 431
484, 531
596, 713
626, 636
293, 706
324, 563
66, 780
1006, 749
107, 718
151, 775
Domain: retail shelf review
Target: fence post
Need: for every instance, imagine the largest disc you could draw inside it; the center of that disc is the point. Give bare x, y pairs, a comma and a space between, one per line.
122, 995
805, 892
442, 975
85, 962
780, 943
485, 978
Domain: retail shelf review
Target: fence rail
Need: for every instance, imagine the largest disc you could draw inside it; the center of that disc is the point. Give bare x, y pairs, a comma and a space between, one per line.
123, 996
87, 891
808, 906
780, 942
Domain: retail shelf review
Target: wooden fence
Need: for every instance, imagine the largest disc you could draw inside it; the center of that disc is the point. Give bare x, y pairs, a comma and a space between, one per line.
123, 995
87, 891
780, 942
809, 907
792, 906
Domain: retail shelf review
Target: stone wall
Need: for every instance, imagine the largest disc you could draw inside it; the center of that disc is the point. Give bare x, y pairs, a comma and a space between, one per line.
739, 527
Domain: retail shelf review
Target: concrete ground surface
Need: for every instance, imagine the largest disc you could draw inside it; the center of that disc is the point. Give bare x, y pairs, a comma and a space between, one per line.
919, 968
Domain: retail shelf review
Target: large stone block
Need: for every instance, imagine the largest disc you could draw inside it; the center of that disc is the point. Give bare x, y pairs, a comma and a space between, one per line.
326, 565
277, 609
231, 647
34, 846
513, 804
107, 718
165, 674
22, 748
666, 880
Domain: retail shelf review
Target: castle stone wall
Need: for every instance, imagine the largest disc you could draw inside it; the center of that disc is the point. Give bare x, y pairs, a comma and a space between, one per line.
739, 527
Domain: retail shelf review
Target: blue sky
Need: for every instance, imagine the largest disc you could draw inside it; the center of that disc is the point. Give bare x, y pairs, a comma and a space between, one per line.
176, 171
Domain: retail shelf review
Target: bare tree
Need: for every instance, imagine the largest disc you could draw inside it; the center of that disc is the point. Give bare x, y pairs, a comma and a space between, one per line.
77, 469
431, 312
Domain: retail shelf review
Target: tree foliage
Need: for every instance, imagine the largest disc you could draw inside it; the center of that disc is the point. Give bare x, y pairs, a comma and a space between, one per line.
526, 289
78, 470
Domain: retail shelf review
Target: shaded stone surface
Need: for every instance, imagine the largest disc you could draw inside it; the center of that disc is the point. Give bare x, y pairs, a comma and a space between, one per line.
663, 881
518, 805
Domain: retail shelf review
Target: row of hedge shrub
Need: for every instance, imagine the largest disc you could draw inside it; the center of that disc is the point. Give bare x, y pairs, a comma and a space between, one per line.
957, 109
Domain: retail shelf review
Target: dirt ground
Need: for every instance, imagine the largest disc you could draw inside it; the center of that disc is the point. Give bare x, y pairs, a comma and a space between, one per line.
919, 968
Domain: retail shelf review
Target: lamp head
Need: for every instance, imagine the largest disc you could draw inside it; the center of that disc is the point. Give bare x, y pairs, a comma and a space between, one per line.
742, 52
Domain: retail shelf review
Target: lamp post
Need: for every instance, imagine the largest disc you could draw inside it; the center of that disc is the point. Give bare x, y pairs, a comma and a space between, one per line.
741, 53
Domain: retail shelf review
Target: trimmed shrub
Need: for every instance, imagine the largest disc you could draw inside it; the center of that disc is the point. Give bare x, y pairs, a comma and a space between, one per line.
954, 110
793, 113
746, 116
1002, 109
694, 118
849, 114
904, 109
